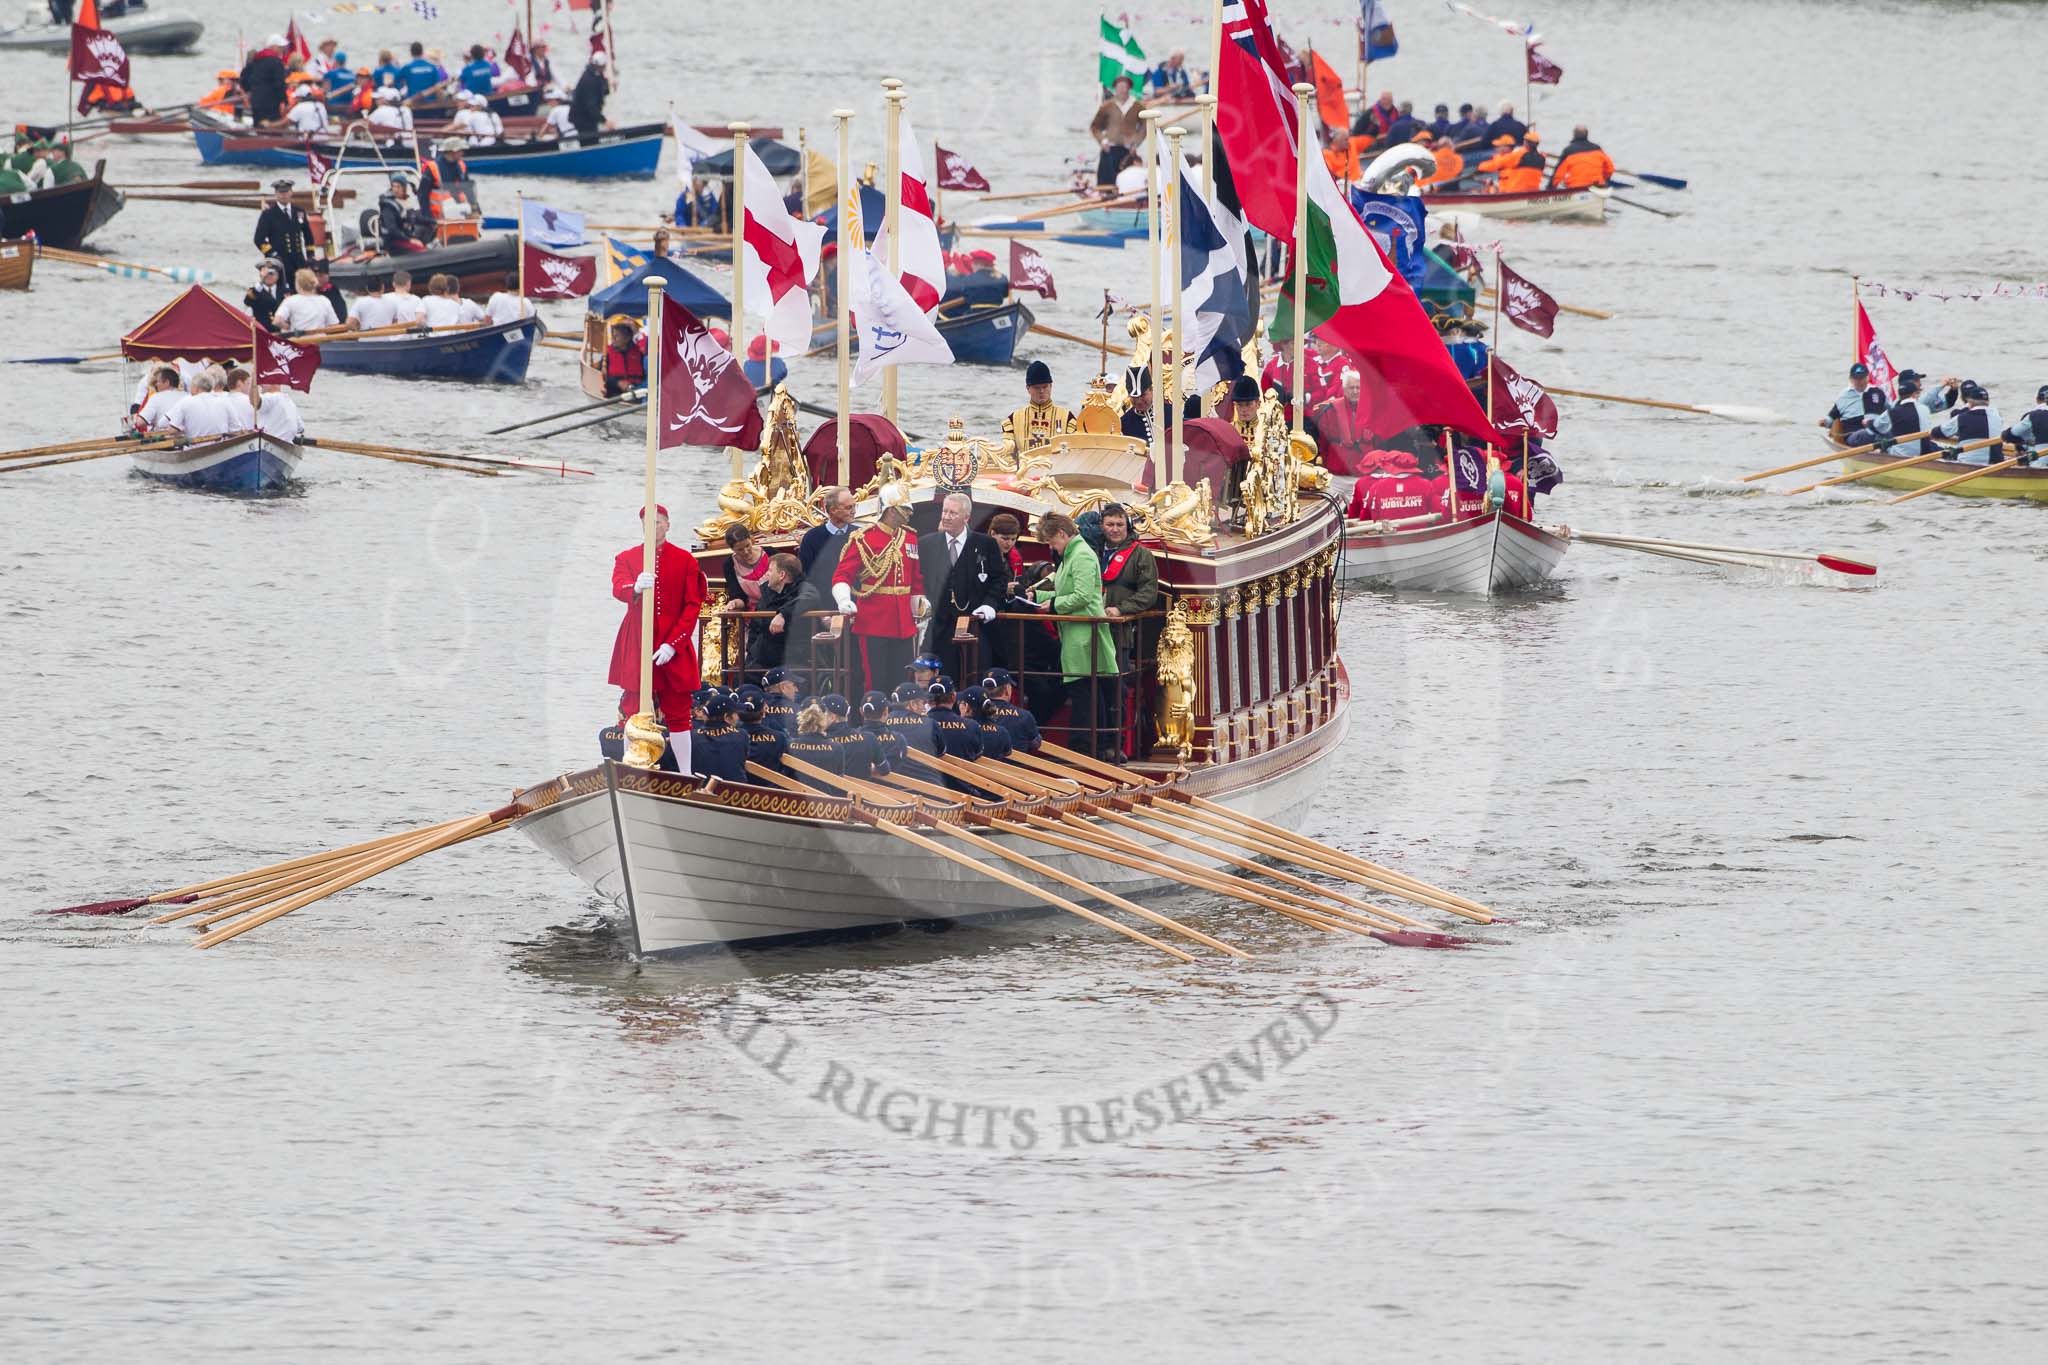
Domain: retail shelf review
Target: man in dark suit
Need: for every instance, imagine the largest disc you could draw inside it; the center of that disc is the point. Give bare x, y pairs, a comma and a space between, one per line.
965, 574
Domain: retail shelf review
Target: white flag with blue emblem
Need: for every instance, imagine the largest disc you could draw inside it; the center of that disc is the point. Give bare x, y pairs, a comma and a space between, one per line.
1213, 296
545, 226
887, 324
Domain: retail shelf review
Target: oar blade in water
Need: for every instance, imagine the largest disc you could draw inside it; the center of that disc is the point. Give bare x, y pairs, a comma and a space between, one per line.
1848, 566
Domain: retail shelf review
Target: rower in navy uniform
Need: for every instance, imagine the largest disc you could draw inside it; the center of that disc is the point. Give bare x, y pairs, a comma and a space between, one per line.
995, 740
1854, 406
858, 752
1000, 687
765, 742
782, 702
718, 748
956, 735
906, 719
2030, 433
1975, 420
1912, 413
811, 745
874, 722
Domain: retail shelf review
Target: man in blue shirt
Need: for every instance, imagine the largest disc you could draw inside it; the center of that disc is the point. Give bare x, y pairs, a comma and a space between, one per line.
480, 76
386, 70
419, 75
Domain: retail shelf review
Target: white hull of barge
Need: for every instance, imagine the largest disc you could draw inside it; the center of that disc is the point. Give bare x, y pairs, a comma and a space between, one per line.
691, 874
1483, 556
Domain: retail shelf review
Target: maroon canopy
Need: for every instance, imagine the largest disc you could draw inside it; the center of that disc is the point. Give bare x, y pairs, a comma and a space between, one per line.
196, 325
868, 436
1214, 445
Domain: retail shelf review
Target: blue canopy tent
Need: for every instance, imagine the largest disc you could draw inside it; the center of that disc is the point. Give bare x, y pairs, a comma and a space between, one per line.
779, 157
628, 297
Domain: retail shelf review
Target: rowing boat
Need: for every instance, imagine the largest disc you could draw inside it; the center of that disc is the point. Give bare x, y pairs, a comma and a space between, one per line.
2021, 481
1485, 556
248, 463
63, 215
17, 262
147, 33
1243, 700
623, 152
484, 354
1588, 205
482, 267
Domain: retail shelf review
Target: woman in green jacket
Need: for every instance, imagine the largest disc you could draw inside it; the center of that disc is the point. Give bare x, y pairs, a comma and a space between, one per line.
1087, 653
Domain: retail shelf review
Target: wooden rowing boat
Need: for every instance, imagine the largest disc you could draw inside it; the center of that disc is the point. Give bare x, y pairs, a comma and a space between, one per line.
483, 354
1484, 556
63, 215
243, 464
633, 153
1587, 205
1242, 700
142, 33
17, 262
2021, 481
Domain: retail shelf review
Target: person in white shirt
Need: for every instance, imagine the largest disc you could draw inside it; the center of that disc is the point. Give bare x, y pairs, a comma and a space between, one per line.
406, 306
389, 113
554, 109
202, 413
472, 311
306, 309
443, 303
371, 310
308, 115
165, 393
277, 415
237, 406
476, 122
506, 306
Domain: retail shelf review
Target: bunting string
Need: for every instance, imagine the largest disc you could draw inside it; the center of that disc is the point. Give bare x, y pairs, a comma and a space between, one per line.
2001, 290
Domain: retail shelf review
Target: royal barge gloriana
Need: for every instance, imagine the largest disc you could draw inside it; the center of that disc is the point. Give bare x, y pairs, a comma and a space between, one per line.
1234, 694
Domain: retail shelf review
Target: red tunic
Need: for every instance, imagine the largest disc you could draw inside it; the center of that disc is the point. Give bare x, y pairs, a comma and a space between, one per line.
1392, 499
1344, 433
881, 593
1469, 504
679, 592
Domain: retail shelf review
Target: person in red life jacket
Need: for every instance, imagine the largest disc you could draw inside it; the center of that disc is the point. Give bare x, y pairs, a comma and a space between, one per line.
1342, 430
880, 585
679, 592
625, 360
1394, 490
1581, 163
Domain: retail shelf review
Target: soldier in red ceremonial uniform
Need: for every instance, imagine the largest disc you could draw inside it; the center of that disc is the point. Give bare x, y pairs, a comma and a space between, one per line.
679, 592
880, 585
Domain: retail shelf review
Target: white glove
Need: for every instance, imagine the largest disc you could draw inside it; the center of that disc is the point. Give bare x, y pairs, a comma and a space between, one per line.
643, 583
984, 614
920, 608
842, 598
664, 654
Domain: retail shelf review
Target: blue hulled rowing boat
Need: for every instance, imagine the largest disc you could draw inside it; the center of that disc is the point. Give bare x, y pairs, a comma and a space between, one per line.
488, 355
247, 464
623, 152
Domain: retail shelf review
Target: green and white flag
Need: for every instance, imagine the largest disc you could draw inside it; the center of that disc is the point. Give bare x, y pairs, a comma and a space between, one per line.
1119, 55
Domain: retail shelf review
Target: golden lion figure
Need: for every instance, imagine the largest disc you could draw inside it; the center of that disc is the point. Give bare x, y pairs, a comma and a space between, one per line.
1176, 671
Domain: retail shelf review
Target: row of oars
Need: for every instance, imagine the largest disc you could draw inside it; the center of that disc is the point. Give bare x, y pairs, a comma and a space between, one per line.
1926, 457
1106, 814
73, 452
41, 457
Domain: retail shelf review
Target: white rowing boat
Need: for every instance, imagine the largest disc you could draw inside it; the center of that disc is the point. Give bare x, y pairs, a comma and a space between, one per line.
1484, 556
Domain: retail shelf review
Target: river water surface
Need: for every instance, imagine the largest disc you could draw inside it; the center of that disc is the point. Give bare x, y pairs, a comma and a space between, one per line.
1754, 1076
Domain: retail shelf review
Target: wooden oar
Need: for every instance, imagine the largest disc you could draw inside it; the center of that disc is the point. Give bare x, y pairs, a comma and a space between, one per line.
70, 447
1639, 204
1122, 201
559, 345
1939, 453
479, 471
1853, 450
224, 186
1839, 563
1947, 484
1090, 342
1035, 234
1069, 192
632, 396
1734, 411
179, 274
378, 448
62, 359
1564, 308
66, 459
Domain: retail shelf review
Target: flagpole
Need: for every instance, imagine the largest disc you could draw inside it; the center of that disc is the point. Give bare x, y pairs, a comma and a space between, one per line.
1208, 107
739, 270
255, 367
1151, 121
803, 157
849, 203
1855, 318
892, 102
522, 244
1176, 458
1302, 90
1216, 47
649, 551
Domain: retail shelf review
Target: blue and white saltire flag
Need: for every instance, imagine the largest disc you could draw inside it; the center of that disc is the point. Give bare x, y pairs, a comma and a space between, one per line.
546, 226
891, 328
1378, 30
1215, 303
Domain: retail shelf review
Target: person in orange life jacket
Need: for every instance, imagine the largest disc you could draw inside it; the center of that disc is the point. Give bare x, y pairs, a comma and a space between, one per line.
1524, 172
679, 592
1505, 150
1581, 163
625, 360
1450, 163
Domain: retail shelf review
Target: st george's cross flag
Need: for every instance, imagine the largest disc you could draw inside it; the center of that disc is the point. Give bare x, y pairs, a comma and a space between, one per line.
1523, 304
1028, 271
706, 398
780, 252
1354, 298
955, 172
549, 276
892, 328
919, 258
1217, 318
287, 362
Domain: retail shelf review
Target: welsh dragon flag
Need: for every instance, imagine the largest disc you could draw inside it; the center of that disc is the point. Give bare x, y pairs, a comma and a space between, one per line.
1356, 301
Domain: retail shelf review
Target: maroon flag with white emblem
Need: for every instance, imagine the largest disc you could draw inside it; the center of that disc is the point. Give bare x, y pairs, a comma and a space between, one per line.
549, 276
1028, 271
956, 174
97, 56
706, 399
517, 56
287, 362
1528, 307
1520, 403
316, 165
1542, 70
